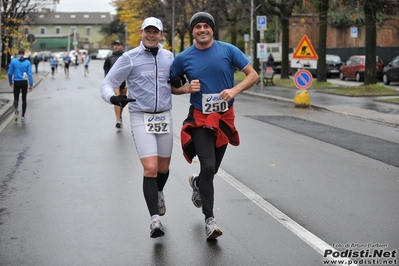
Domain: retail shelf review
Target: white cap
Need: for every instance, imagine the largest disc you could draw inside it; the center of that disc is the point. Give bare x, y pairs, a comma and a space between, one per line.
151, 21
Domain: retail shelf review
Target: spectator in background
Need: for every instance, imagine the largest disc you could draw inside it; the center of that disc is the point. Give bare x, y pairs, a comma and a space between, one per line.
36, 61
270, 61
76, 58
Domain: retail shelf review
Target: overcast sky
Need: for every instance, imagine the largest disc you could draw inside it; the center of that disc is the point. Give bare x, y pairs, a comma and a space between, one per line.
85, 5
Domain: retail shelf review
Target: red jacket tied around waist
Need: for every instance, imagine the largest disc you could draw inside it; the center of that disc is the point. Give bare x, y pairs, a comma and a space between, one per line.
221, 123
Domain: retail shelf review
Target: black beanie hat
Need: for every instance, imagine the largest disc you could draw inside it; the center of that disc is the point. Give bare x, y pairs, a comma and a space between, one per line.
202, 17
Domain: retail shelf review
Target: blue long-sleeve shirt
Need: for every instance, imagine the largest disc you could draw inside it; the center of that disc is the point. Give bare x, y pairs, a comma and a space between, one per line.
17, 68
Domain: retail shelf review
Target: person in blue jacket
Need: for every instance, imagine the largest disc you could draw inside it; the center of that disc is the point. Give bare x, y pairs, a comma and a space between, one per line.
20, 78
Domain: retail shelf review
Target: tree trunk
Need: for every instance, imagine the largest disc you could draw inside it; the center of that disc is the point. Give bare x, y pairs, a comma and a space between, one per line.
370, 9
322, 42
181, 42
233, 32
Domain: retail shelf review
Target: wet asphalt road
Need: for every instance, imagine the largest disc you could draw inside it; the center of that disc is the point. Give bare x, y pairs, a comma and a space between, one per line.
70, 190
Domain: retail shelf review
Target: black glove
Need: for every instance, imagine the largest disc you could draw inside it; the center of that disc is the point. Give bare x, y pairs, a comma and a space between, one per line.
177, 82
121, 100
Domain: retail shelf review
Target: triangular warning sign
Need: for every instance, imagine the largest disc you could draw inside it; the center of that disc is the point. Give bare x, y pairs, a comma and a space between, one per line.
305, 50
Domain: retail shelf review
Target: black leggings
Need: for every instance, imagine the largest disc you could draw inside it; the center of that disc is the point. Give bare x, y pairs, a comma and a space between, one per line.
210, 159
23, 87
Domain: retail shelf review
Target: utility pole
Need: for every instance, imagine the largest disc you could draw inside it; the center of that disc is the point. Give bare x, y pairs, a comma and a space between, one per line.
69, 40
74, 39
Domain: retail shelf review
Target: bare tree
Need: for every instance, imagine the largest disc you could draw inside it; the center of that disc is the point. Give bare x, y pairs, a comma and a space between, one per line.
233, 12
14, 14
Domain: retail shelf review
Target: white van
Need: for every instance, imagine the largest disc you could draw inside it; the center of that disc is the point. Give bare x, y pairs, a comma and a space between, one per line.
103, 53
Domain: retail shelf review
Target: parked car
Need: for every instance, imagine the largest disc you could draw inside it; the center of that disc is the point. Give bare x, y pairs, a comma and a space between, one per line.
44, 55
93, 55
391, 71
355, 67
103, 53
333, 65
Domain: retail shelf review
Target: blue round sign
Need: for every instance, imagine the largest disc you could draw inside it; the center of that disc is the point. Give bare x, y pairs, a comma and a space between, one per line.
303, 79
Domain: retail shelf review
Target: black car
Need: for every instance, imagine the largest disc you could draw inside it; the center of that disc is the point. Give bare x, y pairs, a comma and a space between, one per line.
391, 71
333, 65
44, 55
93, 55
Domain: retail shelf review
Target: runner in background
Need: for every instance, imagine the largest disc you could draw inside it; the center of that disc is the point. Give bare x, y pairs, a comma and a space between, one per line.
121, 90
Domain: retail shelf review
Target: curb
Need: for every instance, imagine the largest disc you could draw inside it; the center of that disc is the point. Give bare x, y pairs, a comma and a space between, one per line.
318, 107
6, 110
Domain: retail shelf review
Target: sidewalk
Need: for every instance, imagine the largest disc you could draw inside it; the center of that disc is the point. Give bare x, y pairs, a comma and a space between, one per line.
360, 107
6, 94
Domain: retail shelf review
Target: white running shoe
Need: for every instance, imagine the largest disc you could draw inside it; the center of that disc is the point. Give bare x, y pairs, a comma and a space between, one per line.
211, 229
156, 229
119, 123
195, 198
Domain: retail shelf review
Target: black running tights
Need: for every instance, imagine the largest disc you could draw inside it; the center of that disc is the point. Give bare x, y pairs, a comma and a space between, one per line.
20, 86
210, 159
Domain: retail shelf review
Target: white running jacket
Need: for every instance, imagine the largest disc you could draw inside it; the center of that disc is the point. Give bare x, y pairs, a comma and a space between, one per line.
146, 79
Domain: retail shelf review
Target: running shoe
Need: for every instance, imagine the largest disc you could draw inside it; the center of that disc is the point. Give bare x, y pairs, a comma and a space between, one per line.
156, 229
211, 229
161, 203
22, 118
119, 124
196, 197
16, 115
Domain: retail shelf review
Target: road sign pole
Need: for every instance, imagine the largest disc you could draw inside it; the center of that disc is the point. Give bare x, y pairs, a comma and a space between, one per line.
261, 33
261, 25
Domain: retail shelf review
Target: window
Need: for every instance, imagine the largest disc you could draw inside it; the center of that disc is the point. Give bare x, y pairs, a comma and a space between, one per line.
26, 31
57, 30
88, 32
86, 16
42, 31
73, 16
